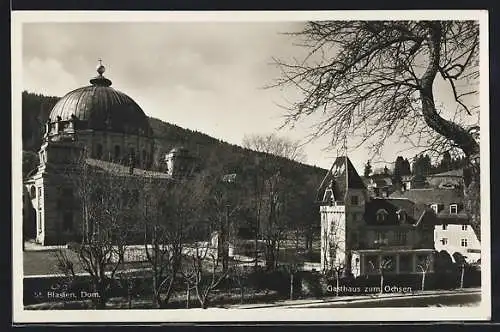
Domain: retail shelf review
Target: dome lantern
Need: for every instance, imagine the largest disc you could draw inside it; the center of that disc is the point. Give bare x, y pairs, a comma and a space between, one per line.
100, 80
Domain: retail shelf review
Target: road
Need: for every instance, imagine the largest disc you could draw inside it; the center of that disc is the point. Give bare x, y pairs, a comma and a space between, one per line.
431, 300
465, 297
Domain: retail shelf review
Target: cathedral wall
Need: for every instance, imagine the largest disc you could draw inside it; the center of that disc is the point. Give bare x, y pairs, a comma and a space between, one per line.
141, 145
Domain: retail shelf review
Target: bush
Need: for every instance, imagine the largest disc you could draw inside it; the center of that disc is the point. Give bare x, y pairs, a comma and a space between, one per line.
311, 284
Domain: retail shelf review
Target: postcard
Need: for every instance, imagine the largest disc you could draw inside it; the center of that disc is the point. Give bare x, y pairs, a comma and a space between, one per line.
250, 166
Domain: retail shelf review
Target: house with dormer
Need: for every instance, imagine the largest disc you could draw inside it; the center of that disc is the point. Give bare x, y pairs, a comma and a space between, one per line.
360, 233
453, 232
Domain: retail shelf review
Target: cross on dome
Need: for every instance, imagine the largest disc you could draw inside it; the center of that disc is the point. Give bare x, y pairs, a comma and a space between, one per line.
100, 80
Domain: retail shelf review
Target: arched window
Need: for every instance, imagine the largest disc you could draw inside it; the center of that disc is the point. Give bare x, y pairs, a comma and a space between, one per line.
98, 151
117, 153
32, 192
382, 215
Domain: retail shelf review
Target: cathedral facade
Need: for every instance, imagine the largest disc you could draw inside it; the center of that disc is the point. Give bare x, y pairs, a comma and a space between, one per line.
101, 127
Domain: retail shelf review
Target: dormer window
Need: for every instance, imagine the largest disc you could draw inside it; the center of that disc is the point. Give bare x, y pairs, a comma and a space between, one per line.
381, 215
453, 209
328, 197
435, 208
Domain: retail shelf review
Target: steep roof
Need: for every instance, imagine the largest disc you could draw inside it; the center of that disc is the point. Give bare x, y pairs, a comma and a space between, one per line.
392, 207
440, 196
432, 195
342, 175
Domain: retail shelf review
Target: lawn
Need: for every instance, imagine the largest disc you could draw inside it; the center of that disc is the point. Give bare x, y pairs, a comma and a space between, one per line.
45, 262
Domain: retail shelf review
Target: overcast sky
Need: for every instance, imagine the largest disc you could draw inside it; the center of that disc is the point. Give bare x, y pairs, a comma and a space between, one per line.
202, 76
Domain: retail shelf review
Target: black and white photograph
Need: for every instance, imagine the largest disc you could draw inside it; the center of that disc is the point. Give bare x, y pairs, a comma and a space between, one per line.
250, 166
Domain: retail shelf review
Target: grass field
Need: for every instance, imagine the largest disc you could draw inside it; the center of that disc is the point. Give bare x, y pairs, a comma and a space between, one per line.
45, 262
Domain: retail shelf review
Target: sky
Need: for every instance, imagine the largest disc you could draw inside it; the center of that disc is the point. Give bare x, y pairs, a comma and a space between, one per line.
205, 76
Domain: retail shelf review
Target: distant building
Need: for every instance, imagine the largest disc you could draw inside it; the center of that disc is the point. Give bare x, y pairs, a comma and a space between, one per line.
453, 179
359, 232
452, 224
379, 185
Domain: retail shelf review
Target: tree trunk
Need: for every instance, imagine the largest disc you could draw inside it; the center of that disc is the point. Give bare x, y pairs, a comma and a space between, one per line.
130, 299
291, 286
242, 294
102, 299
450, 130
277, 255
381, 283
462, 277
156, 293
338, 283
423, 281
188, 295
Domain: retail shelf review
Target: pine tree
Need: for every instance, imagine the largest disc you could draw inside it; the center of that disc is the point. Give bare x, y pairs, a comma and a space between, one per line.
398, 171
368, 169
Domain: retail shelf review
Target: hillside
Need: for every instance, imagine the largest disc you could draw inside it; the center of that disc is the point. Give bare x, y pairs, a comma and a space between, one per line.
233, 158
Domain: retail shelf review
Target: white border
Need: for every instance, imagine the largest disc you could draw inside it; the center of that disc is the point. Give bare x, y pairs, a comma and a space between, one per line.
482, 312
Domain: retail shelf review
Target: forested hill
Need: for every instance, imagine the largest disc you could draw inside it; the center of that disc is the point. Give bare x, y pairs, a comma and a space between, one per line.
36, 109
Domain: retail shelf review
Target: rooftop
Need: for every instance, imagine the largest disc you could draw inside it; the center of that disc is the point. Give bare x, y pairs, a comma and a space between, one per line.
339, 179
452, 173
119, 169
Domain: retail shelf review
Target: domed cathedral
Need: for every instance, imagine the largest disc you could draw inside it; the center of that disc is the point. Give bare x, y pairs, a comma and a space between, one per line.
102, 127
107, 123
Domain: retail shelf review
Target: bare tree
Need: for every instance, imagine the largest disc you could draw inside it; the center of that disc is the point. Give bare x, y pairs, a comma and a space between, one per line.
165, 208
223, 205
381, 266
461, 263
275, 145
203, 271
374, 82
375, 79
106, 223
292, 268
238, 273
424, 267
270, 191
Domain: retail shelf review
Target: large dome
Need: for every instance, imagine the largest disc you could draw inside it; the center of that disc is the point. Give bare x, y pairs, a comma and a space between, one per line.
101, 108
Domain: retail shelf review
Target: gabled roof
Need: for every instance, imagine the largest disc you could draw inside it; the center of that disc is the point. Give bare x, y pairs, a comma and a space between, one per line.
432, 195
340, 179
441, 196
393, 207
